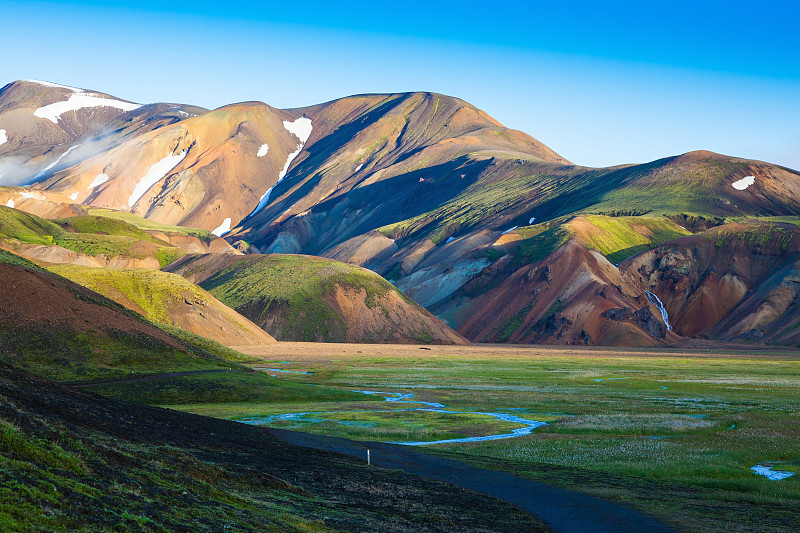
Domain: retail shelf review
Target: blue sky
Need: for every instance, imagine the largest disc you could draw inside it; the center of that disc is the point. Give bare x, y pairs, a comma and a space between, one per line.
600, 83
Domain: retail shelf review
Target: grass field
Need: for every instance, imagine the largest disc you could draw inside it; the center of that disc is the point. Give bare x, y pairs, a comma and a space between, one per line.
673, 432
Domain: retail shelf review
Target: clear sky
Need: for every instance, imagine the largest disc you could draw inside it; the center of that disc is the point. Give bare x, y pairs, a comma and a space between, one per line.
601, 83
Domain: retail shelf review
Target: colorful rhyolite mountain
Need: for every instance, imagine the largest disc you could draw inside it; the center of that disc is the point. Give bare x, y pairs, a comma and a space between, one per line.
494, 233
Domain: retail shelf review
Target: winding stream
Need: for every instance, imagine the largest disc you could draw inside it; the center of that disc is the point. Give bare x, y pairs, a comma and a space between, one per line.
432, 407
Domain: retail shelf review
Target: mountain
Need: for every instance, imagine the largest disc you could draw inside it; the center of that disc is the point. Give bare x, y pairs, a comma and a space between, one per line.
493, 232
46, 126
303, 298
738, 281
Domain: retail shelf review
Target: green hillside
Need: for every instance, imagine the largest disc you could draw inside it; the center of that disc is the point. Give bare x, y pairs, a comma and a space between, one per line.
621, 237
90, 235
304, 298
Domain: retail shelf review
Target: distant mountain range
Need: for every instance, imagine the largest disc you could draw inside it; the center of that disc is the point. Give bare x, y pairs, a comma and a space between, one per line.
497, 235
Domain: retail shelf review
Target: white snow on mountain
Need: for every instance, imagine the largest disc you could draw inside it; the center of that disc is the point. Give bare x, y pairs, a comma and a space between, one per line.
156, 173
100, 179
301, 128
223, 228
80, 100
744, 183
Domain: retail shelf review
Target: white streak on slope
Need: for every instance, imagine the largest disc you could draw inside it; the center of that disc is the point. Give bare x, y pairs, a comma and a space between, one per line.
744, 183
300, 128
509, 230
3, 137
99, 180
262, 151
223, 228
80, 100
54, 163
156, 173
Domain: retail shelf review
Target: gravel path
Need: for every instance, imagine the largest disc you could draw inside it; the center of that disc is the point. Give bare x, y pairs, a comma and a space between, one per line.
562, 510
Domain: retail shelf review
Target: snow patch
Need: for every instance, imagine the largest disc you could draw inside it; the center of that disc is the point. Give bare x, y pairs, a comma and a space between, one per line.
289, 160
359, 167
99, 180
300, 128
744, 183
509, 230
223, 228
449, 240
262, 151
156, 173
73, 196
765, 469
531, 220
80, 100
27, 195
10, 203
54, 163
264, 199
3, 137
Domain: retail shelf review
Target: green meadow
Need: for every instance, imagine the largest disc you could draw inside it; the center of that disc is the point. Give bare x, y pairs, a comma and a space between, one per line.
674, 433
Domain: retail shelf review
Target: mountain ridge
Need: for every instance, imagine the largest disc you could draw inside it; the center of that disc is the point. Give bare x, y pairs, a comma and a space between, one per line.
433, 194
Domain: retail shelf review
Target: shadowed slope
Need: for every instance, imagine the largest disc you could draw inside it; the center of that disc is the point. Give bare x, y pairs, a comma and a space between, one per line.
64, 331
74, 461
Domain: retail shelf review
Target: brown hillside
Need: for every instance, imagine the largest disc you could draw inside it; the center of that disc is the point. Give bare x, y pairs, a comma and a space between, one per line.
736, 281
314, 299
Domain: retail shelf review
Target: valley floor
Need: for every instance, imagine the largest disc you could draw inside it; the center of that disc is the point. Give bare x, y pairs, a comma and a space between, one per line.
672, 432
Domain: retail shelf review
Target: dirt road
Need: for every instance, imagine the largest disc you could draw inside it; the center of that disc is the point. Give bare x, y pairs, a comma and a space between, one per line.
562, 510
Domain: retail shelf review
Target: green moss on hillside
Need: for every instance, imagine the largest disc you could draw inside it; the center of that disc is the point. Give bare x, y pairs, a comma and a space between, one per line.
15, 224
156, 293
538, 247
152, 225
621, 237
90, 235
102, 225
753, 235
297, 287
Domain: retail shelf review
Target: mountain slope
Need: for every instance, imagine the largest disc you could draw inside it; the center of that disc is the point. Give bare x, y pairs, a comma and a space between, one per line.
101, 240
61, 330
313, 299
737, 281
169, 299
47, 126
198, 172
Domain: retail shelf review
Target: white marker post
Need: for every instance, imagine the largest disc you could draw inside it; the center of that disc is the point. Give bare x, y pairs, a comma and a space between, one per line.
368, 458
